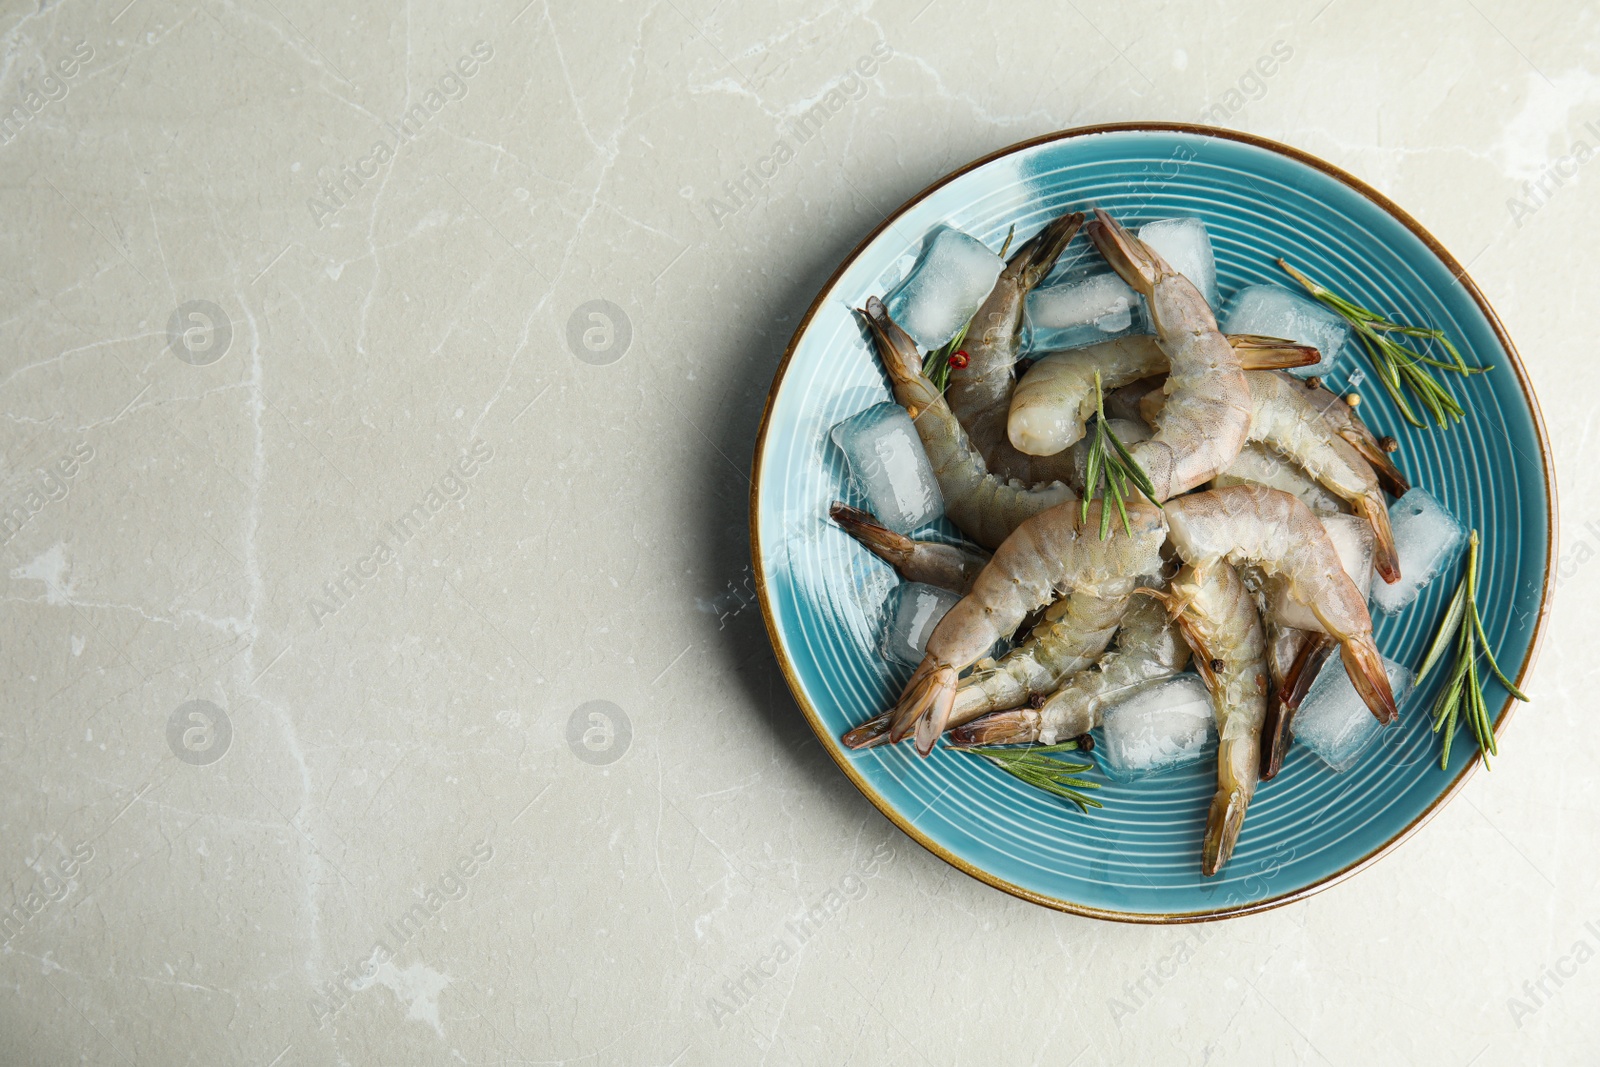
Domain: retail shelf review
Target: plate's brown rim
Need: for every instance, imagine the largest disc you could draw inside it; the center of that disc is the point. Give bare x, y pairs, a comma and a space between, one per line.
905, 825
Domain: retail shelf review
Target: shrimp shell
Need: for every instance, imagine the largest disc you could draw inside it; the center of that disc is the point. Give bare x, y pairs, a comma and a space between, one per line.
1073, 631
1219, 619
984, 506
1259, 465
1148, 649
1290, 426
951, 567
1348, 425
979, 394
1057, 550
1249, 524
1051, 405
1206, 417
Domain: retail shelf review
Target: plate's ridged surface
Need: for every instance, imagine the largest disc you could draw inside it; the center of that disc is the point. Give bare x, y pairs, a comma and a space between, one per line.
1138, 857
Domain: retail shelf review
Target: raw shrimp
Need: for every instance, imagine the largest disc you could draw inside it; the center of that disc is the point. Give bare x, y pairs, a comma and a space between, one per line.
1055, 398
1220, 622
1249, 524
1073, 631
1148, 650
1057, 550
1206, 418
949, 567
984, 506
1284, 420
1259, 465
1348, 425
980, 392
1295, 657
1297, 649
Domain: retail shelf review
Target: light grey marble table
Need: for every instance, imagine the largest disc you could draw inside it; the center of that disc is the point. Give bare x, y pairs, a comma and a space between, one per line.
339, 511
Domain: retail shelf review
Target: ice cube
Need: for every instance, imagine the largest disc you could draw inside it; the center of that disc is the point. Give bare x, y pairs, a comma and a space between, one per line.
1353, 539
1426, 537
889, 465
1086, 306
1091, 303
1334, 722
1157, 729
952, 277
912, 612
1273, 311
1186, 247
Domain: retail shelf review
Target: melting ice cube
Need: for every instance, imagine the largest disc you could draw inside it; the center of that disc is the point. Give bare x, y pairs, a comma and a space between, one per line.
1334, 722
952, 277
1091, 303
912, 612
888, 463
1426, 537
1157, 729
1085, 307
1186, 247
1273, 311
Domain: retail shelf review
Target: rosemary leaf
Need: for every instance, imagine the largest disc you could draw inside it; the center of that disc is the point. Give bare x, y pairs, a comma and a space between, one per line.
1399, 368
1462, 696
1447, 629
1032, 766
1111, 472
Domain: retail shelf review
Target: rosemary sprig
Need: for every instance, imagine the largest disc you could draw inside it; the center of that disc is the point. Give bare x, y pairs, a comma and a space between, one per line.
1399, 367
1111, 466
936, 366
1034, 766
1463, 692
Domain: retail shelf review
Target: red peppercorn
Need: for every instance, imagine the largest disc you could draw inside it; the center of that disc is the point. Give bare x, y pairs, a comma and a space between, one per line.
960, 360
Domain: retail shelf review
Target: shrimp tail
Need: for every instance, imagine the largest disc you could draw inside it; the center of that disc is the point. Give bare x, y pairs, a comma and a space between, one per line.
1275, 733
1038, 256
1385, 557
870, 734
1271, 353
1365, 667
1130, 257
1393, 480
931, 725
1223, 824
893, 548
924, 704
1015, 727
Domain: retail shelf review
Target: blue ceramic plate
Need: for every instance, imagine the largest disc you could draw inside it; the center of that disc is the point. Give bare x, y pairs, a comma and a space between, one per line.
1138, 858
